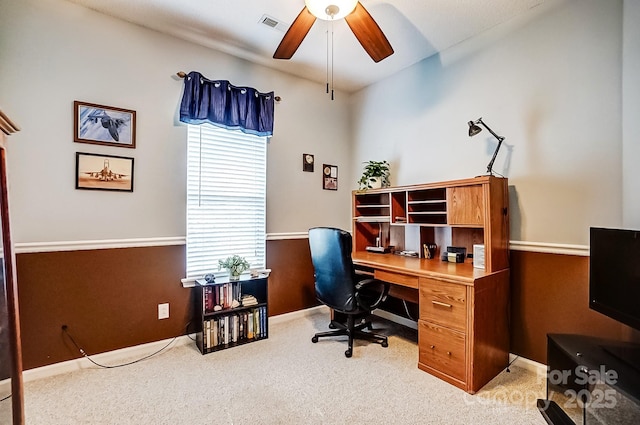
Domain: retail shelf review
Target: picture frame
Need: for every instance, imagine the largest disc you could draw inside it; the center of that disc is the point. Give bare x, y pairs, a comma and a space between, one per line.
329, 177
104, 125
307, 162
104, 172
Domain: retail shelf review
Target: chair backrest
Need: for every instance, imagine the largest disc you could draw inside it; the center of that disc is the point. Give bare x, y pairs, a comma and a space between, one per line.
333, 268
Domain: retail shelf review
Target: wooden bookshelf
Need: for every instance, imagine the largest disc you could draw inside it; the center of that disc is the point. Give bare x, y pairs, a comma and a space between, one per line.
231, 313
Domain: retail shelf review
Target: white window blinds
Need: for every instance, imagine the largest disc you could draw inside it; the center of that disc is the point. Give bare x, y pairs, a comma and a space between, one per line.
226, 198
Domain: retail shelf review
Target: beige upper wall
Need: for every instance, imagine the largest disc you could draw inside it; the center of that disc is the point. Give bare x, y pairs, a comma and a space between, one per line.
631, 112
551, 85
539, 83
55, 52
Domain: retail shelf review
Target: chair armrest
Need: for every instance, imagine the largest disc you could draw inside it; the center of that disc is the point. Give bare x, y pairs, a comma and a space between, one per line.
370, 293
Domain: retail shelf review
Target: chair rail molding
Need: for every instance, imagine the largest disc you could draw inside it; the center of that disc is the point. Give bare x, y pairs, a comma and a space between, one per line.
287, 235
550, 248
32, 247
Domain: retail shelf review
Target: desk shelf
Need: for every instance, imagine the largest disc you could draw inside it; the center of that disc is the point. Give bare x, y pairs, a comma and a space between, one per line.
376, 204
460, 213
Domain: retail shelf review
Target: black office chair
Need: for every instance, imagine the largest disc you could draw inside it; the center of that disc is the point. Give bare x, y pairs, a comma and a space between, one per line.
338, 286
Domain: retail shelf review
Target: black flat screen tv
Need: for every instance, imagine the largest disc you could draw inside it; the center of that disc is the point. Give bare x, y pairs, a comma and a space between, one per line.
614, 274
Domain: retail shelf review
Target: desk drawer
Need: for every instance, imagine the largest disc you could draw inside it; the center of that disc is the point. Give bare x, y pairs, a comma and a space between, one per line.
442, 349
397, 278
443, 303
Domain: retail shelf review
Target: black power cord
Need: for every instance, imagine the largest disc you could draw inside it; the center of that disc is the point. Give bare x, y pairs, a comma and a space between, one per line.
187, 331
511, 362
84, 354
6, 398
406, 310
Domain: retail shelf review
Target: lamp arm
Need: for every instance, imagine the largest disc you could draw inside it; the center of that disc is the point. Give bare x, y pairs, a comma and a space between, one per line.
495, 153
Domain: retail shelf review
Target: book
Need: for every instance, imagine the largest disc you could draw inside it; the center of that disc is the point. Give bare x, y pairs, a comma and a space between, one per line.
249, 300
250, 333
205, 335
256, 329
226, 329
264, 321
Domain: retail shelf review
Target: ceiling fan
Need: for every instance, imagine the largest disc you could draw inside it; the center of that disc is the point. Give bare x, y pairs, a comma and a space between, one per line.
362, 25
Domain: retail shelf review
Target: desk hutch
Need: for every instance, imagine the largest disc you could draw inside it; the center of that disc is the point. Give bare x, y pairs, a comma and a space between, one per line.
463, 333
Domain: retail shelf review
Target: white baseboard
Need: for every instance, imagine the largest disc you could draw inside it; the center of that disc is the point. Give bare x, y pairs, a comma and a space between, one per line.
142, 350
515, 360
324, 309
126, 354
5, 388
533, 366
108, 358
396, 319
298, 314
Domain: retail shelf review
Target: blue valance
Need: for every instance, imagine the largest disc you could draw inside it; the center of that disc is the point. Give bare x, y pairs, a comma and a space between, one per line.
225, 105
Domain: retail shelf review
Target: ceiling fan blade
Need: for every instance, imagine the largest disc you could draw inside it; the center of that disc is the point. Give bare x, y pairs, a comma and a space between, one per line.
295, 34
369, 33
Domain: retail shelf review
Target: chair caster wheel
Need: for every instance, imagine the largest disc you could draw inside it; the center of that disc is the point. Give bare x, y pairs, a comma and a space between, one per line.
370, 326
314, 339
332, 326
385, 344
348, 353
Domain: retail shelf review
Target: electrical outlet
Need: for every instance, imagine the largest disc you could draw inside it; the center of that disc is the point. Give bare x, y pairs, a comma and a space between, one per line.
163, 311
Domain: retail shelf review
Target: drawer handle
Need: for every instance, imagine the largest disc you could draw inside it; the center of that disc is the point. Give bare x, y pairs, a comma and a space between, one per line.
434, 302
433, 346
448, 353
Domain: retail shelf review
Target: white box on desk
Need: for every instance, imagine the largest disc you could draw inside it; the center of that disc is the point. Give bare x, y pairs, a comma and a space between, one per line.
478, 256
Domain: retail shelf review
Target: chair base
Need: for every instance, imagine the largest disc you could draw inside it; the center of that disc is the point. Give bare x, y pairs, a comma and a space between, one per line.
353, 331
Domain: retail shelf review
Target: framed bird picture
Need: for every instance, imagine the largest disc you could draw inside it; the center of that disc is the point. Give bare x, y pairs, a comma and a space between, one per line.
104, 125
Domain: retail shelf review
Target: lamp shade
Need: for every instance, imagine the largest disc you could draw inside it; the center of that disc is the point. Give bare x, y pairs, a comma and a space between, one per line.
473, 129
330, 9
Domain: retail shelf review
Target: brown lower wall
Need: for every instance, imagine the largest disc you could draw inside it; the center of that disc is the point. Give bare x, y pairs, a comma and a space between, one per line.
550, 294
109, 298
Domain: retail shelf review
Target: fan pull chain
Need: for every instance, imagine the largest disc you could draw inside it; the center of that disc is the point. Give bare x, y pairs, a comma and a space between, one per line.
328, 23
331, 60
330, 55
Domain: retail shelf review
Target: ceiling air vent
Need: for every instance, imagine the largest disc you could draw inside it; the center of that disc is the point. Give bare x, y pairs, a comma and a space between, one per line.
272, 22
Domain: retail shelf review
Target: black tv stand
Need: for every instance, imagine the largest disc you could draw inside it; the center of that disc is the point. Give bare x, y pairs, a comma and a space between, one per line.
629, 354
588, 384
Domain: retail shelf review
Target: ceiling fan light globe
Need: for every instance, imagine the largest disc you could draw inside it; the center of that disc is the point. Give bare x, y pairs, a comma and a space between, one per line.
330, 9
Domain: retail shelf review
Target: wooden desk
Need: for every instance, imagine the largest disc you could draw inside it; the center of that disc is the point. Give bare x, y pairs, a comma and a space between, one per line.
463, 335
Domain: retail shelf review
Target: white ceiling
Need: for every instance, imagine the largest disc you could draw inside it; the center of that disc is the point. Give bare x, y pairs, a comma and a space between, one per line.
415, 28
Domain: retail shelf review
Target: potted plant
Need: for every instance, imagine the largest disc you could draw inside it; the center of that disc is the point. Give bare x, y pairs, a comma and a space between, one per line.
235, 264
375, 175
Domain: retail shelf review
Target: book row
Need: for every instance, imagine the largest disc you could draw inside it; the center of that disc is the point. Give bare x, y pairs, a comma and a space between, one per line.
220, 297
235, 327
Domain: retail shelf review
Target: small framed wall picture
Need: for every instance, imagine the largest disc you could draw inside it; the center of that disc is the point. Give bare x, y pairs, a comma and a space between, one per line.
307, 162
104, 125
329, 177
104, 172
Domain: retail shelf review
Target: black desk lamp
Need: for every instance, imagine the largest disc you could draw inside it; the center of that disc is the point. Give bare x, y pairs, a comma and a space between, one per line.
474, 129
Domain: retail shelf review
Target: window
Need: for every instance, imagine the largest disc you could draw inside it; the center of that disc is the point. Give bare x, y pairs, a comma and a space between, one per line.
226, 198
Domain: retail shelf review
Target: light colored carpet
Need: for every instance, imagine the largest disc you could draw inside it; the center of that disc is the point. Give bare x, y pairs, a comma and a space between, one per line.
285, 379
